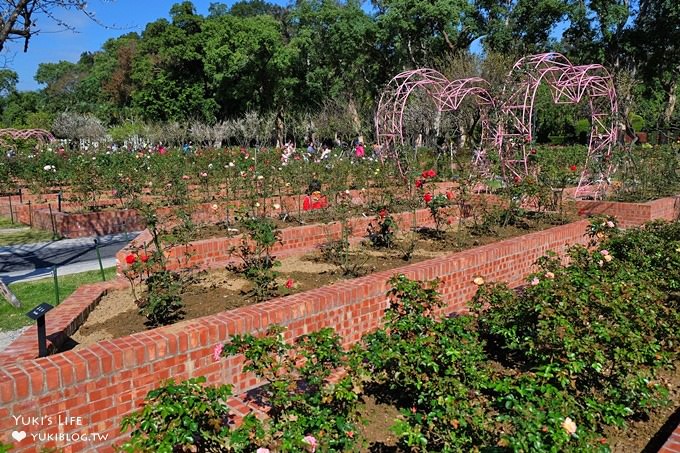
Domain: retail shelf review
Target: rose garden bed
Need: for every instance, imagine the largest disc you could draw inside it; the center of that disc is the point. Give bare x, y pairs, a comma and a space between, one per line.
100, 375
219, 290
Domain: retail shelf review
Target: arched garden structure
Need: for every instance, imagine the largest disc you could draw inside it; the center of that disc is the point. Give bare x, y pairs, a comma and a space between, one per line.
511, 132
40, 135
568, 85
447, 96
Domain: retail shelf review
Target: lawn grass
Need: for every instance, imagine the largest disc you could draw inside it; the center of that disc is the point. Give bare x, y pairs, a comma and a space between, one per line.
36, 292
6, 222
26, 236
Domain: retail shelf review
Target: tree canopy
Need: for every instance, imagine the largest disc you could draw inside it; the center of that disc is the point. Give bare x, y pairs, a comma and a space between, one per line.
256, 56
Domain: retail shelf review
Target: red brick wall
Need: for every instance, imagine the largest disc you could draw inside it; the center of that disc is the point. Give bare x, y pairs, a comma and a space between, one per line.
103, 382
632, 214
73, 225
210, 253
672, 445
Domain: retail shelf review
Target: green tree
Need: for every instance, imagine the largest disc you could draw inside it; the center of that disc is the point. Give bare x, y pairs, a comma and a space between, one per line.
521, 26
168, 75
656, 37
417, 32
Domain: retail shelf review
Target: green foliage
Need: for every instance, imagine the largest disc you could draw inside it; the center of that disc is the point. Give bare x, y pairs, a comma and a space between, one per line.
301, 398
534, 411
648, 173
382, 235
654, 249
599, 325
162, 304
255, 254
185, 417
437, 367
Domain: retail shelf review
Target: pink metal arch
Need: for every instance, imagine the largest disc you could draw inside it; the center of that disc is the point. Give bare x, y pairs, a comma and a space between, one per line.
513, 131
447, 96
568, 85
41, 135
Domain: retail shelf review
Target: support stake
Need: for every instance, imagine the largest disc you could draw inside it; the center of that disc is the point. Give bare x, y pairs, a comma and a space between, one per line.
56, 284
99, 258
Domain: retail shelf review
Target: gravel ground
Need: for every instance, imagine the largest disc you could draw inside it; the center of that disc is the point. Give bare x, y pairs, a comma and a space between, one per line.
6, 338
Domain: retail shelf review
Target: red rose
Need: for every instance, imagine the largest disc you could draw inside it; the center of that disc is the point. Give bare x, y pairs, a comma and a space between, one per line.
427, 197
572, 168
382, 213
424, 173
290, 283
130, 259
449, 195
419, 183
144, 258
431, 173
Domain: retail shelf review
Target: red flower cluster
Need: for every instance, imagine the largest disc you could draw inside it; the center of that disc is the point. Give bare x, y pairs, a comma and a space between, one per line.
429, 174
144, 258
449, 195
573, 167
131, 259
290, 283
427, 197
382, 213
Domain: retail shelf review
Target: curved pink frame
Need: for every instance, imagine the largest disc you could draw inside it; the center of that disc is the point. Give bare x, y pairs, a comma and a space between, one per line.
568, 84
24, 134
514, 129
447, 96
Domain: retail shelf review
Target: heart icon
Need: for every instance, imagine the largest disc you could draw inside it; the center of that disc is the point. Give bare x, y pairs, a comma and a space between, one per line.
19, 435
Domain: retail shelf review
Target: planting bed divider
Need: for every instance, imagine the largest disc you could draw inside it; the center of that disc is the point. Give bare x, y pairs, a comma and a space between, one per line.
74, 225
633, 214
211, 253
99, 384
104, 382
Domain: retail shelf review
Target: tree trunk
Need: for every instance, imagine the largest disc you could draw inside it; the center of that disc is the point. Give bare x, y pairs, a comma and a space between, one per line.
437, 123
280, 133
356, 120
670, 102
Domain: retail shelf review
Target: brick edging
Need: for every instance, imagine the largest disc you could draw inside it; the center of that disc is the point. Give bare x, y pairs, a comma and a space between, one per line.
105, 381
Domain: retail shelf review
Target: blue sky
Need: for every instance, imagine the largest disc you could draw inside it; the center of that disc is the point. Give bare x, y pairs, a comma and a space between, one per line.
53, 45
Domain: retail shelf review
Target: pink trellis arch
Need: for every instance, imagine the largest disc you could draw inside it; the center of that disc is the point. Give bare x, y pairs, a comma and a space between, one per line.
40, 135
568, 85
512, 130
446, 95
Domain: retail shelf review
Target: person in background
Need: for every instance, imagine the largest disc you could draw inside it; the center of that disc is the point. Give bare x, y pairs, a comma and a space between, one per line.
310, 149
359, 151
314, 199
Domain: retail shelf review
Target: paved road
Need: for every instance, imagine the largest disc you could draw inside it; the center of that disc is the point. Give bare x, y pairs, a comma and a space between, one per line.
69, 255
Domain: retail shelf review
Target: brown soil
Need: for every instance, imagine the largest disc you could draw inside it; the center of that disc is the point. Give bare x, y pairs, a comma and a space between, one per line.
289, 220
217, 291
649, 434
378, 418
